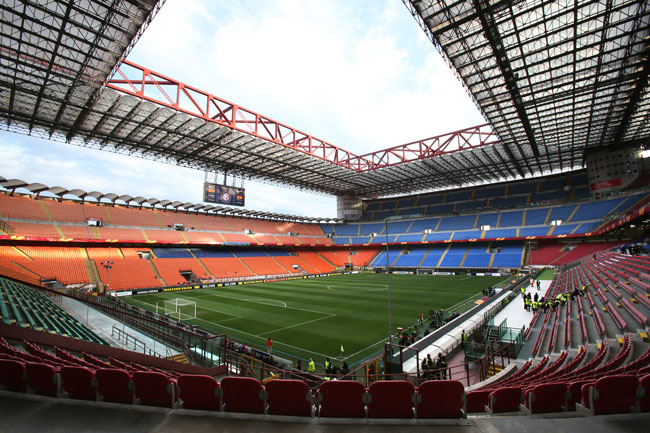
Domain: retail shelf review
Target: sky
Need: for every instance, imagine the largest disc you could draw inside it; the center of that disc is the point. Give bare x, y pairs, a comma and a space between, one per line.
359, 74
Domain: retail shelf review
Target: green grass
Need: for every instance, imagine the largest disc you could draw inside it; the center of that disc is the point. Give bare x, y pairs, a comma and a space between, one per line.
314, 317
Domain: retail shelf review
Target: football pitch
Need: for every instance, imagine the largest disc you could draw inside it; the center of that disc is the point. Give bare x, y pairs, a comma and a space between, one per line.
314, 317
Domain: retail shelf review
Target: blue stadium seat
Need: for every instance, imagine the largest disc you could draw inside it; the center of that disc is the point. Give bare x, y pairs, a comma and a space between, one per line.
467, 234
552, 184
438, 236
347, 230
357, 240
454, 256
431, 199
326, 228
412, 211
410, 238
398, 227
367, 229
498, 191
536, 217
461, 222
406, 202
459, 196
561, 212
420, 226
502, 260
564, 229
440, 209
548, 196
487, 219
383, 214
596, 210
477, 261
522, 188
506, 202
471, 205
500, 233
373, 206
172, 253
533, 231
390, 204
207, 252
511, 219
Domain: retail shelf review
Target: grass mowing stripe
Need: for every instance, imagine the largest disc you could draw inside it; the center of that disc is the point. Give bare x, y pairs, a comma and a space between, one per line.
317, 321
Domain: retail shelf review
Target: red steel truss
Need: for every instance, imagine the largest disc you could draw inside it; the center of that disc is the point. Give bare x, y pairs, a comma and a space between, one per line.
148, 85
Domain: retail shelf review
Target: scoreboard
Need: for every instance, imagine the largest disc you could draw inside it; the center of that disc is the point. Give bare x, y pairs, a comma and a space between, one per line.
222, 194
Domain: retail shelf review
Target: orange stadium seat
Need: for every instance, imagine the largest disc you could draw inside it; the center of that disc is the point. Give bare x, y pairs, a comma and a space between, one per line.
66, 211
43, 230
169, 269
226, 267
132, 217
263, 265
21, 208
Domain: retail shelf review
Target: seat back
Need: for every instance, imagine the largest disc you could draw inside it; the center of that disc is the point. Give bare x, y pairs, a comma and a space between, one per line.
505, 399
12, 375
391, 399
644, 393
199, 392
573, 395
614, 394
288, 397
440, 399
242, 394
546, 398
475, 401
114, 385
154, 389
77, 382
342, 399
42, 378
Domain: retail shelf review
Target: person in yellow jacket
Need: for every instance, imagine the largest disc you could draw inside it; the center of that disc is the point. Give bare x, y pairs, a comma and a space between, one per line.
311, 367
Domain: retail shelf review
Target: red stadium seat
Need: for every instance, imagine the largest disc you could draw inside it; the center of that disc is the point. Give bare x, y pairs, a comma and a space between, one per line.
573, 395
610, 394
288, 397
341, 399
12, 375
77, 382
545, 398
199, 392
391, 399
114, 385
475, 401
154, 389
440, 399
42, 378
505, 399
242, 394
644, 393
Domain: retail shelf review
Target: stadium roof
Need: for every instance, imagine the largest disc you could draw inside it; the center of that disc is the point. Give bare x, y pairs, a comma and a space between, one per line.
554, 78
548, 98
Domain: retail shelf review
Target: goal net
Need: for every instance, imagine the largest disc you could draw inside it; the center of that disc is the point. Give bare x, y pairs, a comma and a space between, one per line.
180, 309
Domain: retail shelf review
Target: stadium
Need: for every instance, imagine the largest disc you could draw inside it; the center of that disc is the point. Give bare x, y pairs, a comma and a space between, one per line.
491, 278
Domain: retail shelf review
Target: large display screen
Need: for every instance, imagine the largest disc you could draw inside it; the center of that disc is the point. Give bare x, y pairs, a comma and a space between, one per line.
215, 193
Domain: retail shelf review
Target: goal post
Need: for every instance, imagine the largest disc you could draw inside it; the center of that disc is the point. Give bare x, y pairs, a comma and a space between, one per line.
180, 309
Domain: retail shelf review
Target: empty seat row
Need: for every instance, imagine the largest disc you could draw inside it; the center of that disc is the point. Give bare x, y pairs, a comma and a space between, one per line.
341, 399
